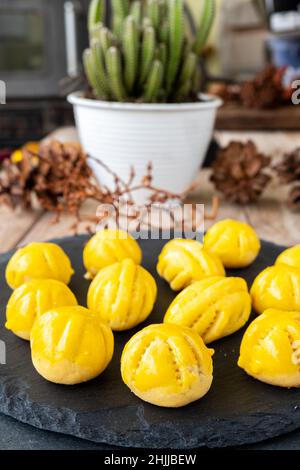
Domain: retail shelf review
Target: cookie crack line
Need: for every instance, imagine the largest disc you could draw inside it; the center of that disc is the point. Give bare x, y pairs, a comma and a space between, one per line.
295, 347
117, 295
217, 313
195, 354
133, 288
191, 256
178, 373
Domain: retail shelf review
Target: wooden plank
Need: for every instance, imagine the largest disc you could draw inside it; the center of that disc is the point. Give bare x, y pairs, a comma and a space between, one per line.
47, 227
273, 220
236, 117
14, 225
204, 195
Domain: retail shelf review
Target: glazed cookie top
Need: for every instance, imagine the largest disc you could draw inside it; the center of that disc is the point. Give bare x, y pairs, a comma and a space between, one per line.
31, 300
291, 256
277, 287
214, 307
107, 247
167, 361
182, 262
67, 333
123, 294
271, 346
235, 243
38, 261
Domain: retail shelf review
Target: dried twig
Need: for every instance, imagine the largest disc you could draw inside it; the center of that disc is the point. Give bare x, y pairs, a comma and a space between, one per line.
60, 179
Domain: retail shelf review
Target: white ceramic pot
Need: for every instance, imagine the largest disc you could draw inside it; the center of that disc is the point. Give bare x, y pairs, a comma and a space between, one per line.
174, 137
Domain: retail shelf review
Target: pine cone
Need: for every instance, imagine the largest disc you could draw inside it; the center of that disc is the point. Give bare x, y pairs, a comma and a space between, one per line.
288, 169
238, 172
294, 198
58, 177
265, 91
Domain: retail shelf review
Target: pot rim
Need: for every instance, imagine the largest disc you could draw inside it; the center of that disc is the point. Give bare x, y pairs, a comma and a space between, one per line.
208, 102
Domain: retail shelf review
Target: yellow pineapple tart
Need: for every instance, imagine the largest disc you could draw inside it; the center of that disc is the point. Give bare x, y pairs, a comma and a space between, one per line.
182, 262
33, 299
291, 257
235, 243
70, 345
214, 307
167, 365
277, 287
122, 294
38, 261
270, 349
108, 247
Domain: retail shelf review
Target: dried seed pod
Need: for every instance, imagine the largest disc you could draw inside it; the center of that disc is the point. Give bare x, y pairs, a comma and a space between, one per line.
238, 172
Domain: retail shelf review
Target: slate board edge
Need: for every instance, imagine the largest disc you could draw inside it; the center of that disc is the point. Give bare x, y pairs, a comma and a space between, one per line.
158, 437
32, 413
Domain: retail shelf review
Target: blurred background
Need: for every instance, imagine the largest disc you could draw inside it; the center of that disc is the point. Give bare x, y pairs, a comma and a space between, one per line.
41, 43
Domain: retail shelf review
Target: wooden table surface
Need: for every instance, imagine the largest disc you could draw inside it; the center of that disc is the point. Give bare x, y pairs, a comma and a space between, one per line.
270, 217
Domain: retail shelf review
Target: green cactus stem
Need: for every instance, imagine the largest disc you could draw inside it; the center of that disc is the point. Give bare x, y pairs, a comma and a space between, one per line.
136, 11
99, 65
154, 82
95, 31
188, 68
131, 51
183, 91
205, 25
152, 11
120, 11
163, 9
148, 52
163, 32
96, 13
196, 81
162, 54
175, 40
114, 71
92, 74
106, 39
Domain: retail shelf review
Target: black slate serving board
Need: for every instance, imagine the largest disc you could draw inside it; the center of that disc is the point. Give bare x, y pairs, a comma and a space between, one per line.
237, 410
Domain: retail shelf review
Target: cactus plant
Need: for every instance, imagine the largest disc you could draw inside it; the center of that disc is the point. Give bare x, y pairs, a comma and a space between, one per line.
146, 54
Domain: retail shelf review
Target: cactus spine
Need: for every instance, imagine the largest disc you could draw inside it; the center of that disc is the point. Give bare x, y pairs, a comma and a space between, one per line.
146, 54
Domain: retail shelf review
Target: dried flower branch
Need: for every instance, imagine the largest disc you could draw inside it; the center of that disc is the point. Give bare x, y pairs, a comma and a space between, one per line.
60, 180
